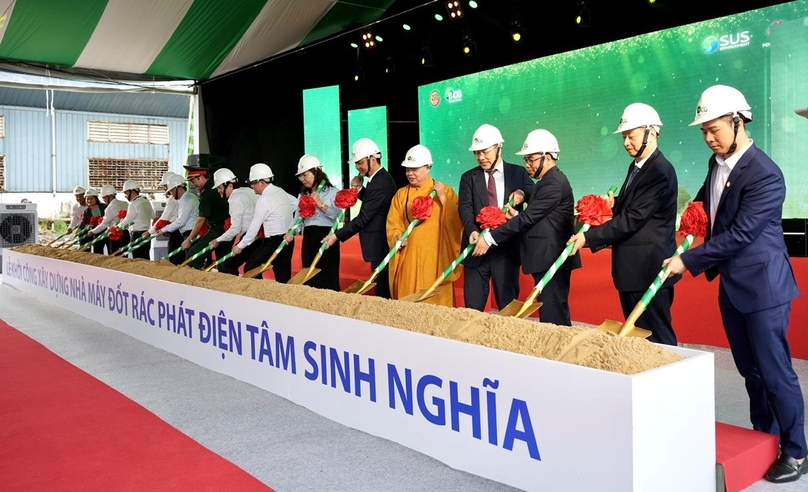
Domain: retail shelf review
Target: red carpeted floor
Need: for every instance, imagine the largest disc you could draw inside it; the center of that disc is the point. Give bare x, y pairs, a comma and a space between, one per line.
62, 429
696, 317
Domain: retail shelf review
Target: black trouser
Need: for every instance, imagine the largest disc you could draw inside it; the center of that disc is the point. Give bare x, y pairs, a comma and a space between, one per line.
281, 266
555, 298
382, 288
328, 278
231, 265
141, 251
175, 239
497, 266
113, 246
657, 315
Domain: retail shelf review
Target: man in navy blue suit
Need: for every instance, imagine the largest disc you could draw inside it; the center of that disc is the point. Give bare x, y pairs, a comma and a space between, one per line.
493, 182
743, 196
371, 222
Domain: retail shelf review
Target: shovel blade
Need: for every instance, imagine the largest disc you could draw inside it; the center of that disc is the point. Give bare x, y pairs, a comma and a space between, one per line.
519, 309
359, 287
303, 276
611, 325
421, 295
616, 327
255, 271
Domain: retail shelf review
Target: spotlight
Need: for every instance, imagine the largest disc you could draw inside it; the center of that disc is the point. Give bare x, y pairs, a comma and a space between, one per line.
367, 40
379, 38
584, 18
359, 74
473, 4
469, 45
406, 27
438, 17
517, 31
426, 56
453, 9
354, 45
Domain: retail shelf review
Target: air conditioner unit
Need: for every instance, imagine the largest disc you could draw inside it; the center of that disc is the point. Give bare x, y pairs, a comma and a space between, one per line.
18, 226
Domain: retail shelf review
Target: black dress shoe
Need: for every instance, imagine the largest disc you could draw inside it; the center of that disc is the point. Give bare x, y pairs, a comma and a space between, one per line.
786, 469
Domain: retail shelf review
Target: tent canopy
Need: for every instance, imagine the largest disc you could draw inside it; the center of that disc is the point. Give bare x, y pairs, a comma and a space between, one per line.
169, 39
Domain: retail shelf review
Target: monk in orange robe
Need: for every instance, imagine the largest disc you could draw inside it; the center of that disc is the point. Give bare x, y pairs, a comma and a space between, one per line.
433, 243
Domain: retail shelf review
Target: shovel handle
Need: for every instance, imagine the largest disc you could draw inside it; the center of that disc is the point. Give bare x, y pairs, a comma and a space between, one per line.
219, 261
197, 255
58, 238
336, 224
178, 249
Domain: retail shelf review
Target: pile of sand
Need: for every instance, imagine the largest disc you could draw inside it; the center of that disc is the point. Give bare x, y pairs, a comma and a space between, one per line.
577, 345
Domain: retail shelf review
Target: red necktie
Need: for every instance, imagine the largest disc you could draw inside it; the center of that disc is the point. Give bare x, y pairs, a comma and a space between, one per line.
492, 189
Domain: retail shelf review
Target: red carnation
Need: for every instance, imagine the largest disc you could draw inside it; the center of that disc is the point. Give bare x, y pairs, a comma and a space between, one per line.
346, 198
203, 230
121, 214
160, 224
307, 206
115, 233
491, 217
227, 223
95, 221
422, 207
593, 210
694, 220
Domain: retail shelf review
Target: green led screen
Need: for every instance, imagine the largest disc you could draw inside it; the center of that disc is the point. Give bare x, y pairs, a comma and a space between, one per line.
321, 129
580, 95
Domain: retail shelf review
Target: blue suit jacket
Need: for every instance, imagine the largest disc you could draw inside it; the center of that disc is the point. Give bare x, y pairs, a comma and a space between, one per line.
746, 245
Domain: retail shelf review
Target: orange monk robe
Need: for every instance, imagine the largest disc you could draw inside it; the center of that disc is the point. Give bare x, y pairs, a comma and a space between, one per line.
430, 247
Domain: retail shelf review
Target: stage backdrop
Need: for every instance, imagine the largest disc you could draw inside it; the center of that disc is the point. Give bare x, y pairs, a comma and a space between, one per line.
580, 95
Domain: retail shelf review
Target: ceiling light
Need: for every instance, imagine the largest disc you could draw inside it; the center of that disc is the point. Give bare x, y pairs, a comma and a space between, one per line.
453, 9
473, 4
367, 40
438, 17
406, 27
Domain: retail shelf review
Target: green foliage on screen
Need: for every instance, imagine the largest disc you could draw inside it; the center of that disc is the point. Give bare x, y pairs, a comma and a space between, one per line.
580, 95
322, 131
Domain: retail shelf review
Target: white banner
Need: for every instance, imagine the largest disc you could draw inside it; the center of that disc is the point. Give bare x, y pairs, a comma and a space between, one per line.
524, 421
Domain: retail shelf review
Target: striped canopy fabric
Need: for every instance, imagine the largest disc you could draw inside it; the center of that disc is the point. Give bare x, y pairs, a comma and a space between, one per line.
180, 39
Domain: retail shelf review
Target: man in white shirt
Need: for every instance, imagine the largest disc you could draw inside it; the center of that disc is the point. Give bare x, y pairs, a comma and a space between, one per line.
169, 213
273, 213
114, 206
187, 213
242, 203
78, 209
138, 217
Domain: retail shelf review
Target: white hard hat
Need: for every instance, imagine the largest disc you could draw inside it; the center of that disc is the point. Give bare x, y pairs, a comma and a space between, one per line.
418, 156
307, 163
107, 190
164, 181
721, 100
364, 147
540, 141
486, 136
91, 192
639, 115
222, 176
79, 190
131, 184
174, 181
260, 171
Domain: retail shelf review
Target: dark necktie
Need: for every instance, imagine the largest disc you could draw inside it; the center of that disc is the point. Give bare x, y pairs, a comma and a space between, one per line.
492, 188
631, 176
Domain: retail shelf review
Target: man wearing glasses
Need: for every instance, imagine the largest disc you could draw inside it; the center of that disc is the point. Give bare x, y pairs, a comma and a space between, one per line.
371, 222
545, 225
213, 211
493, 182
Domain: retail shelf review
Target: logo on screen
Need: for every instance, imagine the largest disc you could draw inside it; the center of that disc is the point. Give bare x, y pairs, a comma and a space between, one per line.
726, 42
434, 98
454, 96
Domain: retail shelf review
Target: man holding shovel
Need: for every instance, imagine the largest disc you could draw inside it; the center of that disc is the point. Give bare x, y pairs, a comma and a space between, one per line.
213, 212
642, 231
743, 196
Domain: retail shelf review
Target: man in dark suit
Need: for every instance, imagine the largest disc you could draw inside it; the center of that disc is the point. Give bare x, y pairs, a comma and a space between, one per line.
493, 182
371, 222
642, 231
545, 225
743, 196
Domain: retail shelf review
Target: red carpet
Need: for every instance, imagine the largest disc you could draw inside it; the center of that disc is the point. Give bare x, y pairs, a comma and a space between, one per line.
745, 454
696, 318
62, 429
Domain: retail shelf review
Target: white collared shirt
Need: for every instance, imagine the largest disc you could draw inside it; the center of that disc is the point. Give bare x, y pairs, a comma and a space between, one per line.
242, 203
499, 181
139, 213
720, 176
110, 215
169, 213
187, 213
76, 214
273, 211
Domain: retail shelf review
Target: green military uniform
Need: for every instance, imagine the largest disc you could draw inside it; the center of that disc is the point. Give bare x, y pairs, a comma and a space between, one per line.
215, 209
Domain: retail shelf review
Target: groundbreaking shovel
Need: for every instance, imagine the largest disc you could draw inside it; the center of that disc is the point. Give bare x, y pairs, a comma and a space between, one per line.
58, 238
431, 292
360, 287
104, 235
627, 329
196, 255
525, 309
303, 276
134, 245
219, 261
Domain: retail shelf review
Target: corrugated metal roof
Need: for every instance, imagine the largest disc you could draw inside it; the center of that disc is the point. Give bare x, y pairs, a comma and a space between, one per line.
156, 104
